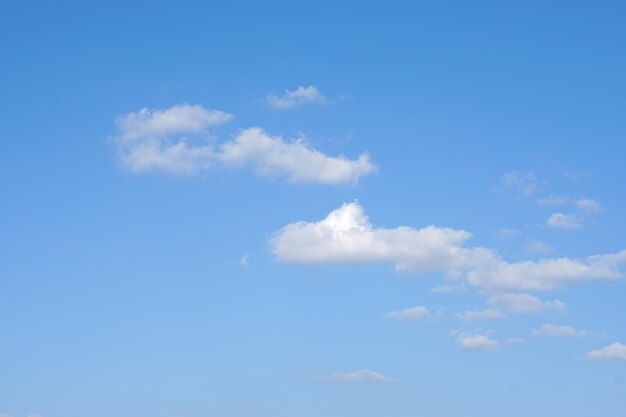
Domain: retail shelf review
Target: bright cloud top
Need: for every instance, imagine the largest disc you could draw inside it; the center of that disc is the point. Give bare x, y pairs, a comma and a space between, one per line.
297, 97
152, 140
616, 351
347, 236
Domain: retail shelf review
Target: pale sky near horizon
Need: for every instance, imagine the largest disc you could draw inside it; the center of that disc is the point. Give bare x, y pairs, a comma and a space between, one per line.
340, 209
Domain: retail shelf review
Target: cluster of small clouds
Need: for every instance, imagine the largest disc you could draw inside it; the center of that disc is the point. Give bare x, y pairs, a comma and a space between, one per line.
160, 140
346, 235
178, 140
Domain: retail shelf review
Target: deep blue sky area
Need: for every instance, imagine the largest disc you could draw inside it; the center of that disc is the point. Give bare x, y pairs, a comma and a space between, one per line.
324, 209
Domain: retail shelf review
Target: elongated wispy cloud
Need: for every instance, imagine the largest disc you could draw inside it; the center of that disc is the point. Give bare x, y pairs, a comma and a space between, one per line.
347, 236
411, 314
555, 330
177, 141
298, 97
364, 375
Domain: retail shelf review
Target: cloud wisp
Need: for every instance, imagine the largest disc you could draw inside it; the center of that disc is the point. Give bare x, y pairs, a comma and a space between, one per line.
296, 98
364, 375
554, 330
347, 236
486, 314
410, 314
177, 141
477, 341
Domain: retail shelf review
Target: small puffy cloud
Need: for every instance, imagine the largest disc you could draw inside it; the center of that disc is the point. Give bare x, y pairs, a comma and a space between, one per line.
587, 205
524, 183
521, 303
161, 140
347, 236
564, 221
297, 97
553, 330
447, 288
487, 314
616, 351
477, 341
364, 375
244, 262
412, 314
515, 341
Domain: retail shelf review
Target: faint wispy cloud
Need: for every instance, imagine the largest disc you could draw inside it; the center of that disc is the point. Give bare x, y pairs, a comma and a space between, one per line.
364, 375
525, 183
487, 314
553, 330
412, 314
298, 97
477, 341
564, 221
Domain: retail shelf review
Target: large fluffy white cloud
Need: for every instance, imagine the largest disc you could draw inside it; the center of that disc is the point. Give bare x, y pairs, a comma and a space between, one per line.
347, 236
176, 141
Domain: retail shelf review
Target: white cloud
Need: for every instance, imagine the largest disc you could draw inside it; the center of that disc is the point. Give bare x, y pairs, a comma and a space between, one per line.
447, 288
477, 341
553, 330
616, 351
487, 314
523, 182
564, 221
347, 236
179, 119
515, 341
295, 160
244, 262
521, 303
364, 375
413, 313
297, 97
152, 140
587, 205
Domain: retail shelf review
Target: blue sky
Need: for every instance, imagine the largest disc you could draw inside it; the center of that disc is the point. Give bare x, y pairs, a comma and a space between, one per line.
337, 209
